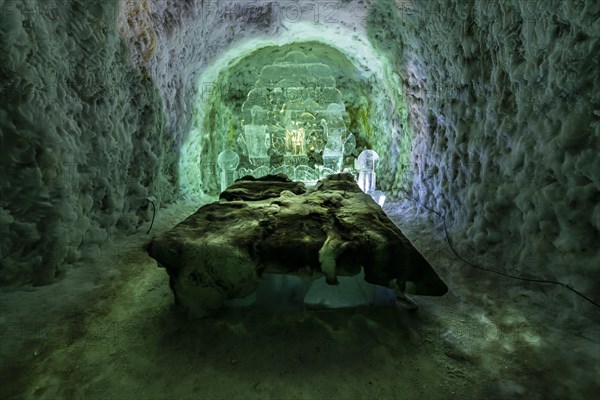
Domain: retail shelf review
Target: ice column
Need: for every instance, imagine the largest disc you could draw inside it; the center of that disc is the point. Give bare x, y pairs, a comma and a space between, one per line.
367, 162
228, 161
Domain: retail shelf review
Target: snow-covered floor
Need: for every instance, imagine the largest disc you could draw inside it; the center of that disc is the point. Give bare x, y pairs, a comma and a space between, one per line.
108, 331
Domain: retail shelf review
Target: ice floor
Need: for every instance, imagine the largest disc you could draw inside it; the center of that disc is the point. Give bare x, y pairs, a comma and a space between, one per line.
108, 331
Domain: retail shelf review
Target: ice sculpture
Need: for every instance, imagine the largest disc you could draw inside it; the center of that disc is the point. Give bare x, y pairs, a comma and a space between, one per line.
367, 163
378, 196
294, 116
294, 140
306, 174
256, 142
335, 128
257, 138
228, 161
255, 172
287, 170
295, 149
349, 145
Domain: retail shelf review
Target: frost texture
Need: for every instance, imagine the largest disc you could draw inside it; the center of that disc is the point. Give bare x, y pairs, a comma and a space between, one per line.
487, 111
95, 97
83, 137
504, 108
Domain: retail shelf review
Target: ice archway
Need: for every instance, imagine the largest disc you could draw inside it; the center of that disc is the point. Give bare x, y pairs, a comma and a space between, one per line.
364, 78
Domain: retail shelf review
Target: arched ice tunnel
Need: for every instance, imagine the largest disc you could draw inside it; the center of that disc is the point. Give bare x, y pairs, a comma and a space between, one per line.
112, 117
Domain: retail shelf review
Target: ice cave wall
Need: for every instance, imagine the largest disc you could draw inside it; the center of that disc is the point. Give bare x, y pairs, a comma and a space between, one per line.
504, 101
83, 137
500, 102
95, 96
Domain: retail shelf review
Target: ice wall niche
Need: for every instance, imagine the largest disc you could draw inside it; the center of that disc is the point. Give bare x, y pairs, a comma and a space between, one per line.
371, 104
294, 121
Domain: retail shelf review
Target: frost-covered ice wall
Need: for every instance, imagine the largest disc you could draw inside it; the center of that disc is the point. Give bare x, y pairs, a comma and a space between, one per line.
173, 41
504, 101
83, 136
100, 110
95, 95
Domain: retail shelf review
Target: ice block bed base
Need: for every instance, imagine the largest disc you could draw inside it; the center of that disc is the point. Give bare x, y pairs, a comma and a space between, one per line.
274, 225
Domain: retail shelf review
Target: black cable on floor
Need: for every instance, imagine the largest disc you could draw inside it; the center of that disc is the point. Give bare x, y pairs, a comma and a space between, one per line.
153, 215
491, 270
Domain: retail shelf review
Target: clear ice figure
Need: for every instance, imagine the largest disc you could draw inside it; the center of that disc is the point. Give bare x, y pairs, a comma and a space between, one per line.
294, 136
378, 196
333, 159
281, 118
303, 173
349, 145
257, 143
257, 138
333, 153
228, 162
295, 149
335, 129
367, 163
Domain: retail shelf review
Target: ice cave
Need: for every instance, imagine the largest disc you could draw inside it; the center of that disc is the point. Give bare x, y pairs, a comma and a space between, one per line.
300, 199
